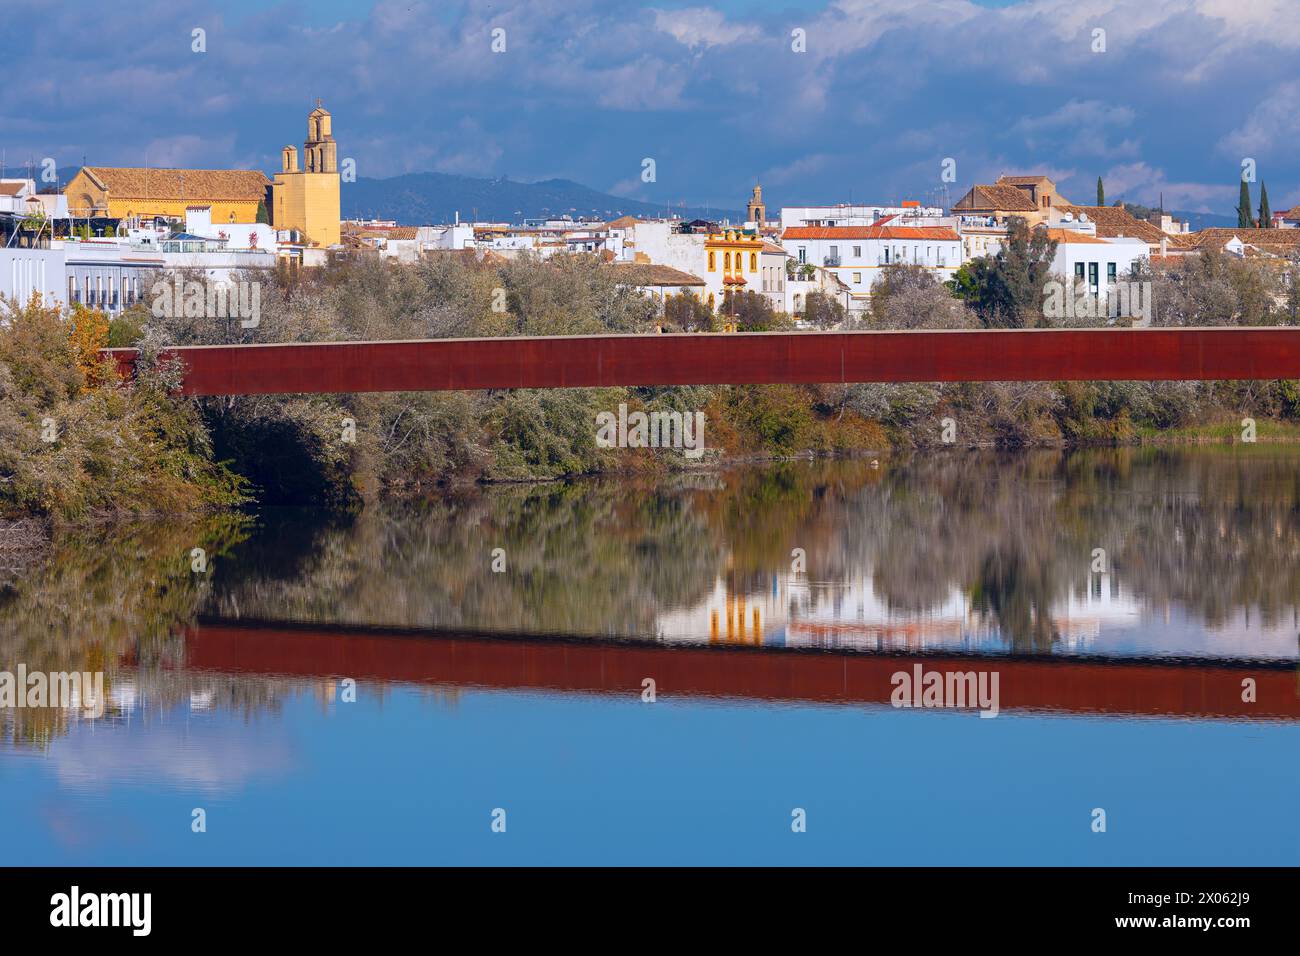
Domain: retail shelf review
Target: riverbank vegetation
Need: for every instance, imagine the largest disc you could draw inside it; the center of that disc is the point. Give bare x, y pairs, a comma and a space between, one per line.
75, 442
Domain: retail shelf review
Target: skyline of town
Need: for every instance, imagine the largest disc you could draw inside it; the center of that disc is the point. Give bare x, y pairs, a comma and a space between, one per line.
869, 107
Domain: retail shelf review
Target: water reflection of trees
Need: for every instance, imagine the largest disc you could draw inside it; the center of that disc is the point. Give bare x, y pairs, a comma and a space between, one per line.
1212, 530
103, 599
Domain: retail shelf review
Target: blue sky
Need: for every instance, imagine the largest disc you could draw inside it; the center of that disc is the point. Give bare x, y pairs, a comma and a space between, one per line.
714, 93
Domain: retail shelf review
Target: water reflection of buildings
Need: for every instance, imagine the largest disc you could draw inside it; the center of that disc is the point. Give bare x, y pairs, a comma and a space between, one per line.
792, 611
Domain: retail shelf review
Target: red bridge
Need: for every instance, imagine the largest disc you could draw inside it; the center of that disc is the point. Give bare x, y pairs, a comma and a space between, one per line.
739, 359
1209, 689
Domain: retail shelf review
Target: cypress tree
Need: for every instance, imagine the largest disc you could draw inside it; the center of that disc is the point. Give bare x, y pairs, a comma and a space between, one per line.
1101, 193
1244, 219
1265, 214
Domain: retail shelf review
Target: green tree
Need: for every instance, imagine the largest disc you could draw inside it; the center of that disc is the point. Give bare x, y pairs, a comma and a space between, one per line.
823, 311
687, 313
1265, 214
262, 215
1101, 193
751, 312
1007, 289
1244, 219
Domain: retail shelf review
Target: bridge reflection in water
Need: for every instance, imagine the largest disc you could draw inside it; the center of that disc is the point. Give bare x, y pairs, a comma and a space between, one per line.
1196, 688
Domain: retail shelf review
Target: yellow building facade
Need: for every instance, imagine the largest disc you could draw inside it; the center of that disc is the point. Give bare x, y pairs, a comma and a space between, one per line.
306, 197
118, 192
733, 260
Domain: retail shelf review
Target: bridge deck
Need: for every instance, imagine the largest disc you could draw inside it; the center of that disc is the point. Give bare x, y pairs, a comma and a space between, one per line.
740, 359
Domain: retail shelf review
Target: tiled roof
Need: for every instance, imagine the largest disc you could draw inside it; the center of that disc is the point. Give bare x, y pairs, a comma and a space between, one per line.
1074, 237
1115, 221
220, 184
1023, 180
622, 222
650, 274
999, 196
11, 189
1218, 236
921, 233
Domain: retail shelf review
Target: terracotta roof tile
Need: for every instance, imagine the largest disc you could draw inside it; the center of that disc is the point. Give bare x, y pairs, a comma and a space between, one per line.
218, 184
1114, 222
919, 233
1001, 197
1254, 237
1071, 236
649, 274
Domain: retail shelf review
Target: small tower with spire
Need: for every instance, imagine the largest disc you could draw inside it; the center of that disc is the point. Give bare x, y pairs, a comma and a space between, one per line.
756, 212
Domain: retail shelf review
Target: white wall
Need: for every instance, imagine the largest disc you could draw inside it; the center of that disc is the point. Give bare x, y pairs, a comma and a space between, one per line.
24, 271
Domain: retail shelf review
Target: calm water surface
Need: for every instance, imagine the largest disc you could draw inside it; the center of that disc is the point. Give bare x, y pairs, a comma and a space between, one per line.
1125, 599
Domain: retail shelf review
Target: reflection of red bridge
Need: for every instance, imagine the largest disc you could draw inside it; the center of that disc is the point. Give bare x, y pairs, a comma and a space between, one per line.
1105, 686
579, 361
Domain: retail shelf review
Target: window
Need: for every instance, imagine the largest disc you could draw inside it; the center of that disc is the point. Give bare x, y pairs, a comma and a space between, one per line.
1110, 272
857, 278
753, 262
835, 252
1078, 271
886, 255
857, 252
72, 289
726, 261
713, 261
1092, 276
803, 254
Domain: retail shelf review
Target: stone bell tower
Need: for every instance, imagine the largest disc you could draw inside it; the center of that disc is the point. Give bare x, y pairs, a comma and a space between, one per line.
756, 212
306, 197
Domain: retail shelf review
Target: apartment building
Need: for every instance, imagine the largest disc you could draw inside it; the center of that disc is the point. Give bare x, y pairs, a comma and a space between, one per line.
856, 255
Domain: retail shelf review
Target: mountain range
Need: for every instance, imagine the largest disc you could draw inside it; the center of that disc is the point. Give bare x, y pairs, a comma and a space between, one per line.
421, 198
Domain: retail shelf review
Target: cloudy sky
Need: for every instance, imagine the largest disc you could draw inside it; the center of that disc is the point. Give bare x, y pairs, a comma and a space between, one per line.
587, 89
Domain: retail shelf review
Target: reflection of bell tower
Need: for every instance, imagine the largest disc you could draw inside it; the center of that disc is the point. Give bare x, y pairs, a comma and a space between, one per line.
756, 212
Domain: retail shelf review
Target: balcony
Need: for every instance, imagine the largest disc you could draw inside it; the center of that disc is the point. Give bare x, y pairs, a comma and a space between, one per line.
831, 261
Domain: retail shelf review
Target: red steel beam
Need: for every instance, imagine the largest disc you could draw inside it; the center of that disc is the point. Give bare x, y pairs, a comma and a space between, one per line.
1141, 687
581, 361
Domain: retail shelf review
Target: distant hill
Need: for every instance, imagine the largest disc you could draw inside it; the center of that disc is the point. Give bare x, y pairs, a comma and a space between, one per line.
422, 198
1197, 220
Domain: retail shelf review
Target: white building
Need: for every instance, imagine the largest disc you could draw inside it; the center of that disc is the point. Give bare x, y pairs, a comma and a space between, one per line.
233, 236
772, 281
849, 214
107, 275
1098, 262
858, 254
24, 272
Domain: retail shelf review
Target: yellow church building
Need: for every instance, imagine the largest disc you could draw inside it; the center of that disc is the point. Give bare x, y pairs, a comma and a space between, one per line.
117, 192
303, 198
306, 198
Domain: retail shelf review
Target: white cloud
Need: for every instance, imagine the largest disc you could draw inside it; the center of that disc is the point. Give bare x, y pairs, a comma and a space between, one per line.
1274, 124
703, 27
